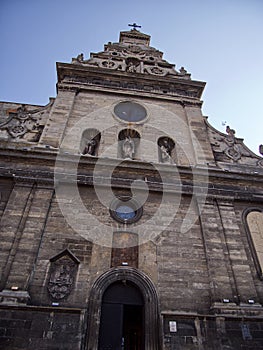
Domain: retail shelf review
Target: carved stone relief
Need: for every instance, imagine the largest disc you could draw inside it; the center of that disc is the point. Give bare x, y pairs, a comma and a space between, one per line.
132, 65
229, 149
108, 64
132, 59
23, 123
62, 275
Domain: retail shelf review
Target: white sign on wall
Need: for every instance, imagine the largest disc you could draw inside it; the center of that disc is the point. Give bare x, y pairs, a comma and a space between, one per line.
173, 326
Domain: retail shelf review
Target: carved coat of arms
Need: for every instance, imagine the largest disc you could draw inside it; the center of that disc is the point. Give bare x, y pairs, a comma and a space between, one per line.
61, 279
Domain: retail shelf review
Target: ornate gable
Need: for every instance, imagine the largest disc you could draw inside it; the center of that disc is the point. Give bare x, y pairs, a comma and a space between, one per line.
130, 64
132, 54
23, 122
229, 149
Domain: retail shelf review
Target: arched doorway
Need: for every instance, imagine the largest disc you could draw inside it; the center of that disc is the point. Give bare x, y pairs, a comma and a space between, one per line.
121, 321
140, 295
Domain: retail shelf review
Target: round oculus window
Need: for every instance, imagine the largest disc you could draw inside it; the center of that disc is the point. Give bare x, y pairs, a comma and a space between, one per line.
130, 111
125, 211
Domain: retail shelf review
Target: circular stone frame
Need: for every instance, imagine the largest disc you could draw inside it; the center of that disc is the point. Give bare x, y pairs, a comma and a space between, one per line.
130, 112
126, 213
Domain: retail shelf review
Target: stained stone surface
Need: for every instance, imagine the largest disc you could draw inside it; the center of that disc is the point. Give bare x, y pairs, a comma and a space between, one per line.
195, 253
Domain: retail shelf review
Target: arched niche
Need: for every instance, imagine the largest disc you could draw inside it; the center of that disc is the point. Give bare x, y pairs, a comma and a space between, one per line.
254, 223
166, 150
128, 143
90, 141
152, 334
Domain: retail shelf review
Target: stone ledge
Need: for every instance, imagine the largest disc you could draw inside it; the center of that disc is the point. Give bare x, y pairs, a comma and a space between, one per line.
243, 309
14, 297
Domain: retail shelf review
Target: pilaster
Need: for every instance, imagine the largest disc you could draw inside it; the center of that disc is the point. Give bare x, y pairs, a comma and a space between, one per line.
221, 282
236, 252
58, 119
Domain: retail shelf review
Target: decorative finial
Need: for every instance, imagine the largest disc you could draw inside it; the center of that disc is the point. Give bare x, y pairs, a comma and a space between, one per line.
134, 25
261, 149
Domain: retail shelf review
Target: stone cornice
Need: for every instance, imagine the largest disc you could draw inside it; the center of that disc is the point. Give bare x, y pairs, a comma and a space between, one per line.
106, 78
220, 184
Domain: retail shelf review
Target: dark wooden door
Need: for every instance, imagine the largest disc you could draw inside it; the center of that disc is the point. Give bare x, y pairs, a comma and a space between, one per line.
121, 325
132, 327
111, 325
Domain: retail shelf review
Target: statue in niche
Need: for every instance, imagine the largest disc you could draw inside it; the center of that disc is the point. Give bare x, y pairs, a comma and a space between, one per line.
132, 64
128, 148
166, 148
90, 147
131, 67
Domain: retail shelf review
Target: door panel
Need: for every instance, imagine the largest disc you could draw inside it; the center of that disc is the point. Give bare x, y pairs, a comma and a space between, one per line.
133, 327
111, 327
122, 318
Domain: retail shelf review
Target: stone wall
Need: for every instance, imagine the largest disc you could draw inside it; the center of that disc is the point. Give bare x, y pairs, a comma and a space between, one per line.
30, 328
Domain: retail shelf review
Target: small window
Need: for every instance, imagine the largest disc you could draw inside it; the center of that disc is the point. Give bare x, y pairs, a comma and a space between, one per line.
125, 210
129, 111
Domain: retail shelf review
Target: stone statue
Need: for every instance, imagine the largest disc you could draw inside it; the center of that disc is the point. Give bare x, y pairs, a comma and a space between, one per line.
183, 71
128, 148
90, 147
165, 151
79, 59
230, 132
131, 67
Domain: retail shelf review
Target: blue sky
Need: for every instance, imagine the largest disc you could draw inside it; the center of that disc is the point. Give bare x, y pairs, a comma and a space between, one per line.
220, 42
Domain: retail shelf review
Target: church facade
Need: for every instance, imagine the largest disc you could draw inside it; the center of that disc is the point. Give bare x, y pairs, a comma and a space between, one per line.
127, 220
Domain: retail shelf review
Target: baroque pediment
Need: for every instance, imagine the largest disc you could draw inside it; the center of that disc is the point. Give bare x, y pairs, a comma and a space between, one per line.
132, 54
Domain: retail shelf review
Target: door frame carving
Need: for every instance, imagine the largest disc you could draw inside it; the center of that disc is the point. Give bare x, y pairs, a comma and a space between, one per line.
152, 334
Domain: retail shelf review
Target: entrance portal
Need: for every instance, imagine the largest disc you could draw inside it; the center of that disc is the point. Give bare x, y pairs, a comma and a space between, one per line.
122, 318
127, 298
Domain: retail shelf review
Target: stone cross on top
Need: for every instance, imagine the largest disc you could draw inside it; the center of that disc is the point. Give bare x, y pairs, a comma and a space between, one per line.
134, 25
